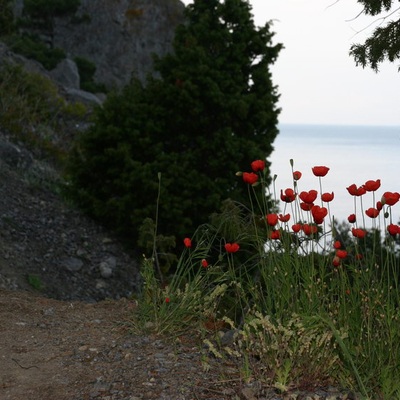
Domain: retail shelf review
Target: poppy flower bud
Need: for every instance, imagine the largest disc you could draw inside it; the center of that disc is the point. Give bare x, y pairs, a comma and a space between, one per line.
297, 175
352, 218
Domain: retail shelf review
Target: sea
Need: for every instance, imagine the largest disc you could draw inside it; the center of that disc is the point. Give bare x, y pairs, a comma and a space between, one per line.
353, 153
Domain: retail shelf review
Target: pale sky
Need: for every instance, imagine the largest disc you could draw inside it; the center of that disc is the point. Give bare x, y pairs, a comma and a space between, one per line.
318, 81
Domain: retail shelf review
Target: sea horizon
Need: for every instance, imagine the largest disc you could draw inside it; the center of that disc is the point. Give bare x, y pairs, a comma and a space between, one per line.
354, 154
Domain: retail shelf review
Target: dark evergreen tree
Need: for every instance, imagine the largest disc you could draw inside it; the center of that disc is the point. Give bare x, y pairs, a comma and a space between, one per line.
208, 113
384, 43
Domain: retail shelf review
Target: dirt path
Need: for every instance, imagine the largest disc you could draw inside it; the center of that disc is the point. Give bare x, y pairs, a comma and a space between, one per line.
58, 350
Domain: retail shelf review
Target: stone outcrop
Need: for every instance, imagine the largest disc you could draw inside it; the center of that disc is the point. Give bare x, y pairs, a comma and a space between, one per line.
119, 36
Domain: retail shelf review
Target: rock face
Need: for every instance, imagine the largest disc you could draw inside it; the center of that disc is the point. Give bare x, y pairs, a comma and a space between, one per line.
119, 36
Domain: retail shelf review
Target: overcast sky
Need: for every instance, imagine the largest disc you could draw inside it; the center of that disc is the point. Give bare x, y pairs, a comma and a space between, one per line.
317, 79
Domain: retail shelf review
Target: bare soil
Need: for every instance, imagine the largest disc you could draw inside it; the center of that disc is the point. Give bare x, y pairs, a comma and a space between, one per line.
71, 350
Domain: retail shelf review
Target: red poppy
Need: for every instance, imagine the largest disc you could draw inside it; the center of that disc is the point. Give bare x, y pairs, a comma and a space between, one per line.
319, 213
337, 244
327, 197
352, 218
336, 261
356, 191
284, 218
390, 198
297, 175
275, 235
272, 219
232, 247
204, 263
372, 212
306, 207
358, 233
296, 228
320, 171
379, 205
393, 229
308, 197
288, 196
187, 242
371, 186
250, 177
309, 229
167, 300
258, 165
341, 253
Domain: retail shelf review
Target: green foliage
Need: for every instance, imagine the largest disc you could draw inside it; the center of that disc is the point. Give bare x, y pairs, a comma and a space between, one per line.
32, 47
35, 282
46, 10
384, 43
6, 17
87, 70
26, 99
30, 107
212, 108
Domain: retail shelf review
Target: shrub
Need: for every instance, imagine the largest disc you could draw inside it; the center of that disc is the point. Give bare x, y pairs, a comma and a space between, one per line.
87, 70
32, 47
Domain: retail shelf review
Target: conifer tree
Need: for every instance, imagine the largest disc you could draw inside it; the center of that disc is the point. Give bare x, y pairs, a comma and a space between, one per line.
210, 110
384, 43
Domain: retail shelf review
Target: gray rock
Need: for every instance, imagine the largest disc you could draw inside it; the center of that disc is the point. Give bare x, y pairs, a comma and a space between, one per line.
13, 156
107, 267
119, 37
72, 264
76, 95
66, 74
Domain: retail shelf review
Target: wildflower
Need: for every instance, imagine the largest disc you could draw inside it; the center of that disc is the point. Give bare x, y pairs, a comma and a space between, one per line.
275, 234
379, 205
356, 191
337, 244
308, 197
336, 261
187, 242
306, 206
319, 213
372, 186
393, 229
288, 196
351, 218
272, 219
341, 253
358, 233
372, 212
232, 247
327, 197
258, 165
297, 175
204, 263
390, 198
167, 300
309, 229
250, 177
320, 171
296, 228
284, 218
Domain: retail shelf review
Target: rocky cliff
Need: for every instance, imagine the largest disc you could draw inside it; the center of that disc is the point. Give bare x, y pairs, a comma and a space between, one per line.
118, 36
